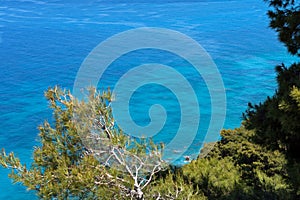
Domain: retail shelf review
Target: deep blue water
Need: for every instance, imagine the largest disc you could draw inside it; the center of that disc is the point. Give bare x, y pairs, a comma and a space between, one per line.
43, 43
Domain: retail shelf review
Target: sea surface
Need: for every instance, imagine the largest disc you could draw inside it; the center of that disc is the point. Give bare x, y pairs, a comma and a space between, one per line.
43, 43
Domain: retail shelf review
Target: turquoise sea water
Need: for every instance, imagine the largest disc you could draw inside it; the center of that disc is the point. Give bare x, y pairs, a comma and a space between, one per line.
43, 43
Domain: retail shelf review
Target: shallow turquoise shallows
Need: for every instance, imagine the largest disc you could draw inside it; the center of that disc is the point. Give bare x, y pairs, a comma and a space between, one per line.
43, 43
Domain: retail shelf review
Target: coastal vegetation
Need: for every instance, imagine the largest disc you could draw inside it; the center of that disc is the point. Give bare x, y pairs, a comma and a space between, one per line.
258, 160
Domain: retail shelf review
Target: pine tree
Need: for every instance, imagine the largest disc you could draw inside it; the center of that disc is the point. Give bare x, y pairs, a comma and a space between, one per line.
85, 155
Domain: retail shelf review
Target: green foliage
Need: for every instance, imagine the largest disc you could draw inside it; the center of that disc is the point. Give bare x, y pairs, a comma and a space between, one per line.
172, 185
285, 19
272, 185
217, 178
69, 164
249, 156
85, 155
276, 120
237, 168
